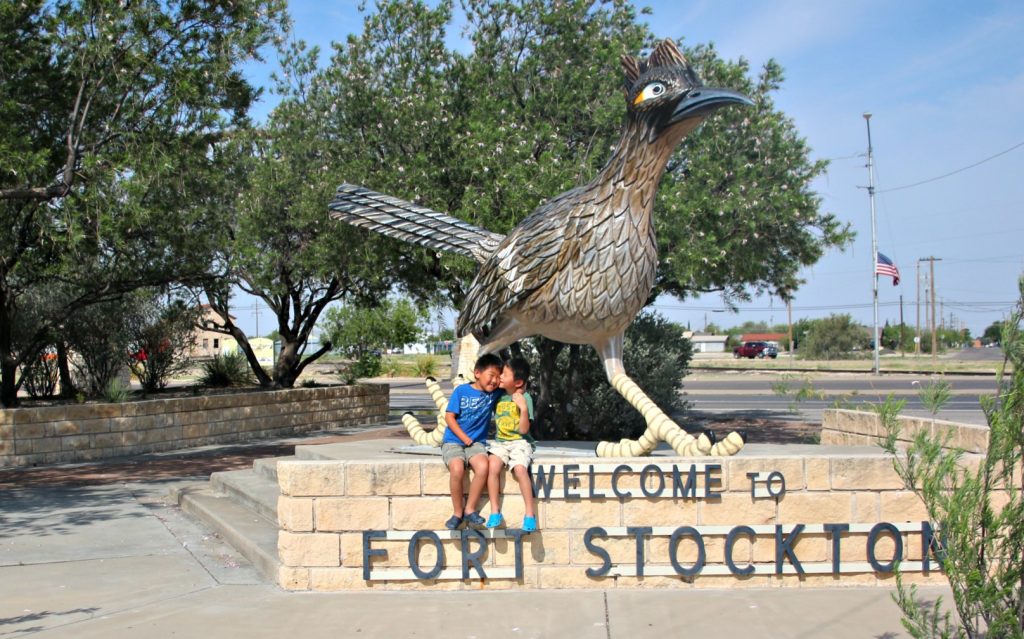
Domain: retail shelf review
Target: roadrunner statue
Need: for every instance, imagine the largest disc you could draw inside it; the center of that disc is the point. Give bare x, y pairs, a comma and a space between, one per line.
582, 265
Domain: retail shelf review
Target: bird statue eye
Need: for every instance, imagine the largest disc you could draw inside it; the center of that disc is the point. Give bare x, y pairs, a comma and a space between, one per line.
652, 90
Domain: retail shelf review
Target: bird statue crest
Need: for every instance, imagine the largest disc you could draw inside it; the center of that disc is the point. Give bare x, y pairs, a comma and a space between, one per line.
581, 266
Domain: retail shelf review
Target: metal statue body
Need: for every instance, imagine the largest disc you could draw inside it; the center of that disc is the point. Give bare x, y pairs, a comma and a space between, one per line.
582, 265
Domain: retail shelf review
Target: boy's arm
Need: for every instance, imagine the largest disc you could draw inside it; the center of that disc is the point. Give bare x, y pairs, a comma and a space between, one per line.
524, 413
456, 430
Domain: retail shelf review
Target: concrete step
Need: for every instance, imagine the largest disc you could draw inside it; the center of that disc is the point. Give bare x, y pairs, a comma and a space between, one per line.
250, 534
267, 466
250, 489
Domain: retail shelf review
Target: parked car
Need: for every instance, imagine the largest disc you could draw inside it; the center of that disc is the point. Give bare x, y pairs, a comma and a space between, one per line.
755, 349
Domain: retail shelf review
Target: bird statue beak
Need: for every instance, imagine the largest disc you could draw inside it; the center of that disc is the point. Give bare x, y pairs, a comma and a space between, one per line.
701, 101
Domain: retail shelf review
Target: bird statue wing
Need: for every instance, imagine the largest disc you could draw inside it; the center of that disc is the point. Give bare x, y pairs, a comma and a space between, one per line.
529, 258
412, 223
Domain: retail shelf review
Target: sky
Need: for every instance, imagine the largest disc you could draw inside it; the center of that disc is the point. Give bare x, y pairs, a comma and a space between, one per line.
944, 83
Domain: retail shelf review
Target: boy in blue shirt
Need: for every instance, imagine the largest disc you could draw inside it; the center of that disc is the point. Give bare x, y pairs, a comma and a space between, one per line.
512, 446
468, 415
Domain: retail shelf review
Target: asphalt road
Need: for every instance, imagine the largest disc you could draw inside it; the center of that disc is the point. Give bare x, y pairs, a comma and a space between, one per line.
755, 395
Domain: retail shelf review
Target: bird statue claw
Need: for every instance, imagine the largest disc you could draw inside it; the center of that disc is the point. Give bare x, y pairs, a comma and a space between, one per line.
419, 434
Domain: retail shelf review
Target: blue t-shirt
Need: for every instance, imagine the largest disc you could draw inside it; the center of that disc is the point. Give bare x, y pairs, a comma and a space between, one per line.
473, 409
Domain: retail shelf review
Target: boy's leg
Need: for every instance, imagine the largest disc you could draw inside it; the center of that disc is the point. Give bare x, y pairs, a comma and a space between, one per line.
494, 466
522, 476
456, 471
478, 483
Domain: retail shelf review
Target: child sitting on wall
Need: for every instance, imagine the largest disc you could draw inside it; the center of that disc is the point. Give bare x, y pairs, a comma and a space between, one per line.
512, 446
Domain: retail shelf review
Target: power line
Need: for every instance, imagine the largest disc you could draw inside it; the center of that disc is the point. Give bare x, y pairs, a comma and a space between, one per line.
833, 307
960, 170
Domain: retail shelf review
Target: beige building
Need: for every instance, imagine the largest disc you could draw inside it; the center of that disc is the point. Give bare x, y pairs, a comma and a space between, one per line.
209, 343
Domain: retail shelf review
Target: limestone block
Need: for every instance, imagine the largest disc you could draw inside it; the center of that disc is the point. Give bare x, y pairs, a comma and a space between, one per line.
43, 414
32, 431
351, 513
902, 505
512, 509
107, 440
736, 509
295, 513
659, 512
580, 514
419, 513
336, 579
445, 584
973, 439
382, 478
543, 547
309, 549
864, 473
37, 446
792, 470
74, 442
6, 448
816, 473
866, 508
311, 478
290, 578
571, 577
816, 508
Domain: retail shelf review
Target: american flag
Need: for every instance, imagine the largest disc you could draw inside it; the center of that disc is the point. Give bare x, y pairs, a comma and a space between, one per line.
884, 266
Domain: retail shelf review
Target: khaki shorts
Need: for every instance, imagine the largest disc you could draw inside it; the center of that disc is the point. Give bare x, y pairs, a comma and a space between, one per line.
517, 452
451, 451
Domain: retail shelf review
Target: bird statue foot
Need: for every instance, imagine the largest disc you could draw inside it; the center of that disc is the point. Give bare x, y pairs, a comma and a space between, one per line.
419, 434
662, 429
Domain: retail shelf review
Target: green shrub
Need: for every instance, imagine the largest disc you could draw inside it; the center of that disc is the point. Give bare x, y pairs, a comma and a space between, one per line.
426, 366
584, 406
116, 392
368, 365
391, 366
227, 369
41, 375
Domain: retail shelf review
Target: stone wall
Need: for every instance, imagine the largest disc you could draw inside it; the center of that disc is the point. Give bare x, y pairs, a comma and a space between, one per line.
87, 432
864, 428
327, 507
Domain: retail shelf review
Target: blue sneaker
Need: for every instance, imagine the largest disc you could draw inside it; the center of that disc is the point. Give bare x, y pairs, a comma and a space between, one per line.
494, 520
474, 519
529, 524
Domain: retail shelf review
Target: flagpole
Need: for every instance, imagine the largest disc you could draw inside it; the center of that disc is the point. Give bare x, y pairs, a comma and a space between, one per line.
874, 248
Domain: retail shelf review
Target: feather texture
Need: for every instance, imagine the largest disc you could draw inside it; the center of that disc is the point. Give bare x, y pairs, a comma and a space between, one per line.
412, 223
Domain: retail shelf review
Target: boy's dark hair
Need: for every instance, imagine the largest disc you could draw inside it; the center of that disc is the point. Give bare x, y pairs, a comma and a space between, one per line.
520, 369
487, 361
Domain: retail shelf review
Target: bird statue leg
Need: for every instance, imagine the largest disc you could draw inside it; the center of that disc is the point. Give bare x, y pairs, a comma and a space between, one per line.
659, 426
416, 430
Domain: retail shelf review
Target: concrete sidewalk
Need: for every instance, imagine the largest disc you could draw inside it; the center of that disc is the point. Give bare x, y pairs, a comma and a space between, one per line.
116, 560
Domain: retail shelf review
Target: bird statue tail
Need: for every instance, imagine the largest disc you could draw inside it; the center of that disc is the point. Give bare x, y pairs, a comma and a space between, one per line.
411, 223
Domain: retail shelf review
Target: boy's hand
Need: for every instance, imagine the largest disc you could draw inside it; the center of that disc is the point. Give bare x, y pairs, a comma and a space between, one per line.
520, 401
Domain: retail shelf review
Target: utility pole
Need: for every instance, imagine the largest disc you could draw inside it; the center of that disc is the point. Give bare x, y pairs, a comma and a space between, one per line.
874, 245
789, 316
903, 351
935, 337
917, 333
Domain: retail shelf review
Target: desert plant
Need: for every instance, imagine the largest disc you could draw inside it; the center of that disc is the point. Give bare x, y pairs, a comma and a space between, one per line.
391, 366
426, 365
99, 340
116, 392
978, 513
934, 395
226, 369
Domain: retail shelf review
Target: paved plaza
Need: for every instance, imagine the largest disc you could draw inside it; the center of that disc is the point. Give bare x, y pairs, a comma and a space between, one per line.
100, 551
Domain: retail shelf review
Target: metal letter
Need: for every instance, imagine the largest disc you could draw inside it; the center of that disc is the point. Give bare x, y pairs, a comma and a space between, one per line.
597, 551
570, 482
876, 531
414, 554
615, 480
784, 547
673, 547
647, 470
836, 531
371, 552
639, 532
473, 557
730, 539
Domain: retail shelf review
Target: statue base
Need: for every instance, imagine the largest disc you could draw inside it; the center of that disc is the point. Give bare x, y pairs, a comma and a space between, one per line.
370, 516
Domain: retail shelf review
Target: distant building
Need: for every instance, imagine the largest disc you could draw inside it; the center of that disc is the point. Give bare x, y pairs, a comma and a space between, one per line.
708, 343
208, 343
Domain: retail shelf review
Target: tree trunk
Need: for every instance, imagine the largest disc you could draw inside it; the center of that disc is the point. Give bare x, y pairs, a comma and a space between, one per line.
9, 391
287, 363
547, 429
67, 385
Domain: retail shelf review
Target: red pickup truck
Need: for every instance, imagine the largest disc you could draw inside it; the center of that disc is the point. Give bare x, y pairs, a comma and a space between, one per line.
755, 349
